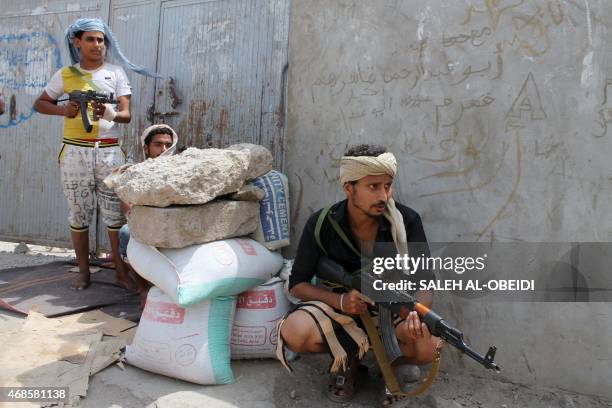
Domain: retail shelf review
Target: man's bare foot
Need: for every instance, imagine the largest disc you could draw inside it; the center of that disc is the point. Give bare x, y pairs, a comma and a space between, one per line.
80, 282
123, 278
125, 282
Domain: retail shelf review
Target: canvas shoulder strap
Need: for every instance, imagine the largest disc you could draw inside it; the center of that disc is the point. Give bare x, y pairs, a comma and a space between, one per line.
324, 316
88, 81
320, 220
318, 225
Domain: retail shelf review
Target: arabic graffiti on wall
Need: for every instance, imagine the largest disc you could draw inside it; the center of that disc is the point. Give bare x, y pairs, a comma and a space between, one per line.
458, 96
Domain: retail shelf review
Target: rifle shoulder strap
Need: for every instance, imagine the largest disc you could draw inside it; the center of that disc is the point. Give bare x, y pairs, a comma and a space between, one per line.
88, 81
319, 224
322, 216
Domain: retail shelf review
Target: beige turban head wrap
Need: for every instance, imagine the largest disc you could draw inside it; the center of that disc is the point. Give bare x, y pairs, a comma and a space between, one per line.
353, 168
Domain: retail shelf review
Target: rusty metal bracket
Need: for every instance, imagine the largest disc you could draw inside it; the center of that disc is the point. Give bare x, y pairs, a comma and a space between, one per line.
163, 115
174, 98
13, 108
152, 114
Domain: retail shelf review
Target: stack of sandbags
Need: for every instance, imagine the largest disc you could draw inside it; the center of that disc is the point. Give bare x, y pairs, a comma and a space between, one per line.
198, 283
189, 221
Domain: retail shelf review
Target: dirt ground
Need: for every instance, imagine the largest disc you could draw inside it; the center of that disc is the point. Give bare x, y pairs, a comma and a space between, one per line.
264, 383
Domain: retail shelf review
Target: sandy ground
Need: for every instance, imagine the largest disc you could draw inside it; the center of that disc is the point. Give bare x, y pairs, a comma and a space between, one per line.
34, 255
264, 383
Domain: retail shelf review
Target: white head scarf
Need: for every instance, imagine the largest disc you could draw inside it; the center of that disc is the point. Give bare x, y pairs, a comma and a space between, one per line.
148, 130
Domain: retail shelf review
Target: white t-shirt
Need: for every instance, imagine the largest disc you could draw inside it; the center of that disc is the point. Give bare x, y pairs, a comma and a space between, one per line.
108, 79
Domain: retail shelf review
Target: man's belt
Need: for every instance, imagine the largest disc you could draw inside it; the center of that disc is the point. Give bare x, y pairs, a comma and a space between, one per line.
102, 142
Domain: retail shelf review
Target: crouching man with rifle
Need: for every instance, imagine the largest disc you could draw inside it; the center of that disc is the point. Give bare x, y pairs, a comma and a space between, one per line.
331, 323
338, 321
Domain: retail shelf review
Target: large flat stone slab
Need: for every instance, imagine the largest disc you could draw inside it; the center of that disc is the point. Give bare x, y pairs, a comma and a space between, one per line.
260, 158
195, 176
182, 226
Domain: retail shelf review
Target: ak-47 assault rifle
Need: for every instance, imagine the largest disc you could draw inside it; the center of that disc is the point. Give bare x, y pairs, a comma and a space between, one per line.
83, 98
331, 271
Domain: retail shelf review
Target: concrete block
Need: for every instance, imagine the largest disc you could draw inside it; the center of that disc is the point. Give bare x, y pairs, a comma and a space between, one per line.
195, 176
181, 226
260, 158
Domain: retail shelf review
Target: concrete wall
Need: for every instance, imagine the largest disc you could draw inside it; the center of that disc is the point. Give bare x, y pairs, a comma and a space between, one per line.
497, 112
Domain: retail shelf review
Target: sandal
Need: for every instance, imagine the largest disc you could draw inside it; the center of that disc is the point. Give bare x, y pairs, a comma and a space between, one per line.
388, 399
341, 386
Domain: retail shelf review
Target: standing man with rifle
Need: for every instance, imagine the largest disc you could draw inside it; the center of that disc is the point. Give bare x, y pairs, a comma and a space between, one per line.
367, 217
91, 140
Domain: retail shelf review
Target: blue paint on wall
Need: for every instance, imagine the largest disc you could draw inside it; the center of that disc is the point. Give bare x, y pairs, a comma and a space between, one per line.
22, 52
19, 56
22, 118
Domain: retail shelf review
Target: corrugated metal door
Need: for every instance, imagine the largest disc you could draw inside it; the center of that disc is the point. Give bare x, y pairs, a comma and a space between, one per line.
226, 62
136, 26
32, 207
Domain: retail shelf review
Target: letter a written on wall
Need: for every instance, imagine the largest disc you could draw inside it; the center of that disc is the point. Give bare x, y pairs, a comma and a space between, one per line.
527, 106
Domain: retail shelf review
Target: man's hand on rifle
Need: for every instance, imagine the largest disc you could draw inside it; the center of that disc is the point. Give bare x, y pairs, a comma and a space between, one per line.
413, 327
71, 109
352, 303
104, 111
